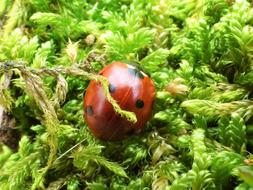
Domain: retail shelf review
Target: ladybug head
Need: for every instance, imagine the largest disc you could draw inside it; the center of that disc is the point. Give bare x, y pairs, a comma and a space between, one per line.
135, 65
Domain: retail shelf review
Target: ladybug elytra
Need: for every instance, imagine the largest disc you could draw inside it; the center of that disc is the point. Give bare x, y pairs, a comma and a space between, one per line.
132, 89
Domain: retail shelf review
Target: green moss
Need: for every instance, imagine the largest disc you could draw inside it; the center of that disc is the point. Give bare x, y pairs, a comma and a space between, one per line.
199, 53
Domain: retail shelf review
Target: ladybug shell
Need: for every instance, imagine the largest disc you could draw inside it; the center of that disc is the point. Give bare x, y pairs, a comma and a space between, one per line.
132, 89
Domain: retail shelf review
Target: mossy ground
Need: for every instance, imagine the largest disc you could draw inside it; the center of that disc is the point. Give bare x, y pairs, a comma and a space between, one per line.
199, 53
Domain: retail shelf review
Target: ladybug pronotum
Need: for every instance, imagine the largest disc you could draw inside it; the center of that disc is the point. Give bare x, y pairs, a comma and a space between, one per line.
132, 89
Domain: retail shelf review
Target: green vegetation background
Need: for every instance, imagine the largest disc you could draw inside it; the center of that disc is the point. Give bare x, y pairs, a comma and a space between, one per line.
199, 53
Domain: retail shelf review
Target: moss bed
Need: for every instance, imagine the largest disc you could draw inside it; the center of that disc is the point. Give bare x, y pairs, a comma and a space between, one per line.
199, 53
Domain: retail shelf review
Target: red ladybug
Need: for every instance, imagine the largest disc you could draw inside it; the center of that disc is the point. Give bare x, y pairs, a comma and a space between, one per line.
132, 89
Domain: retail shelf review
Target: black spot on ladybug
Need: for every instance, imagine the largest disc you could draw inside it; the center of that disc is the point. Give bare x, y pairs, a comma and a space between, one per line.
112, 88
89, 110
139, 103
135, 72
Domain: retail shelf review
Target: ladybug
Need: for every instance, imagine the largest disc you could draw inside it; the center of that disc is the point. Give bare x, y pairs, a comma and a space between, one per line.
132, 89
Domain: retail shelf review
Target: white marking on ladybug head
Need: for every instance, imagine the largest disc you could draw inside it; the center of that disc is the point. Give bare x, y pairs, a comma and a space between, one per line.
144, 74
131, 67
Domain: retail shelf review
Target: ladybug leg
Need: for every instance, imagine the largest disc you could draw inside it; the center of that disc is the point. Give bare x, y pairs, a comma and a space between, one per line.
130, 132
84, 92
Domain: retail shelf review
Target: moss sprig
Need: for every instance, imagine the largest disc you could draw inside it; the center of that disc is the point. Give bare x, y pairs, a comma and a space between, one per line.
75, 71
215, 110
199, 176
